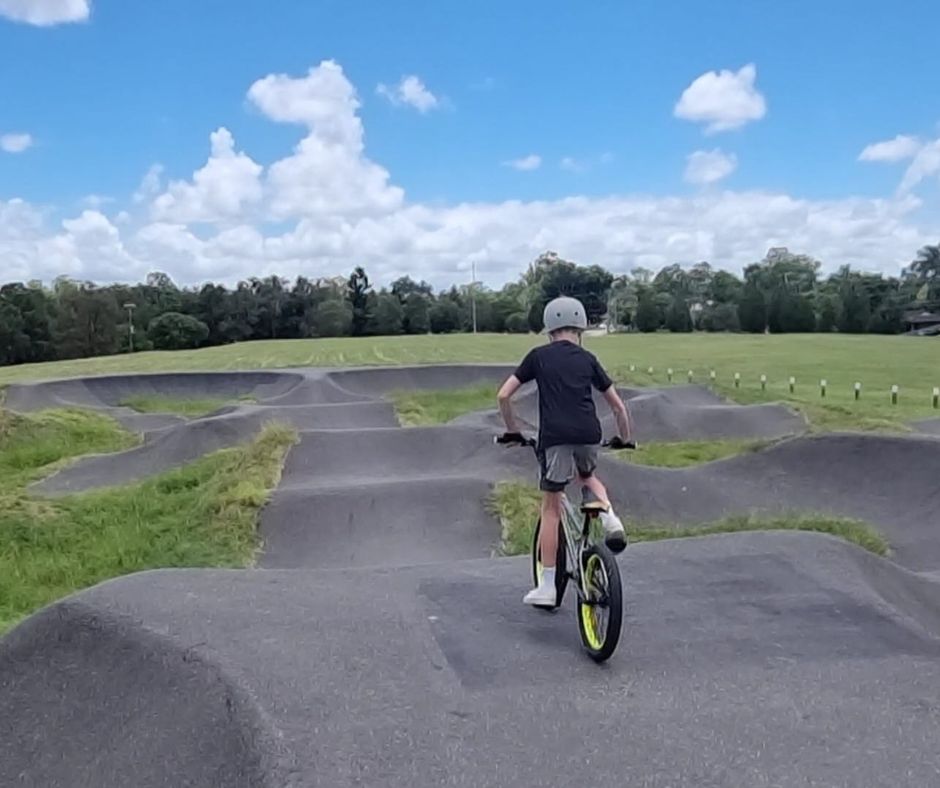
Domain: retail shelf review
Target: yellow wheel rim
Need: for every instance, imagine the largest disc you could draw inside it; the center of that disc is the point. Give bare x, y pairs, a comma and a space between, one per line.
589, 613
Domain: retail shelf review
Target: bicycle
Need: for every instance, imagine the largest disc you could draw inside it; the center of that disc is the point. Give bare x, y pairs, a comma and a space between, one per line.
586, 561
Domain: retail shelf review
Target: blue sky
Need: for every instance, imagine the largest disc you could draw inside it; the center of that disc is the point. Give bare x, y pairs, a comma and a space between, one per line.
603, 102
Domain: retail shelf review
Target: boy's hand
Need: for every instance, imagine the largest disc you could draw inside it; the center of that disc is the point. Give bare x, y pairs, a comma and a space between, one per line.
513, 437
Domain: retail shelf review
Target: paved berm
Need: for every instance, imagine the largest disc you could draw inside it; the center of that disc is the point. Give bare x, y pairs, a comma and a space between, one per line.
382, 644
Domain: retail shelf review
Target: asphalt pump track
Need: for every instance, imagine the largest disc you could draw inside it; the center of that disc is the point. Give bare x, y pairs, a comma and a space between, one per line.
381, 643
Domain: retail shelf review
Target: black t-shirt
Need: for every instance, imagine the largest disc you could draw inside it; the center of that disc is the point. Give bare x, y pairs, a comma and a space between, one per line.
566, 375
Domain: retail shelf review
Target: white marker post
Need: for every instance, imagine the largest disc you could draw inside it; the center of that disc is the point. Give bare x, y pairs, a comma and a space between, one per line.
737, 380
894, 394
633, 367
690, 376
858, 390
822, 388
669, 374
712, 374
763, 383
936, 397
650, 371
792, 383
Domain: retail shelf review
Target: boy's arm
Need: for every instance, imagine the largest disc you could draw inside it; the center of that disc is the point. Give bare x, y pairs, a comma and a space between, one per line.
621, 414
605, 385
504, 397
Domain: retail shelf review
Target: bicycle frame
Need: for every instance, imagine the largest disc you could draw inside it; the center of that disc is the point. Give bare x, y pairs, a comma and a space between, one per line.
576, 532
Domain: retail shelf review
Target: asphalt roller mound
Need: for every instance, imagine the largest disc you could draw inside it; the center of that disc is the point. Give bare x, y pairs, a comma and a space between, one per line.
366, 651
762, 659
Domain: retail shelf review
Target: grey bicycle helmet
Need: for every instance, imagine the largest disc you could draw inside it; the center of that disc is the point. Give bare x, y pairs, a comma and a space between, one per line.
564, 312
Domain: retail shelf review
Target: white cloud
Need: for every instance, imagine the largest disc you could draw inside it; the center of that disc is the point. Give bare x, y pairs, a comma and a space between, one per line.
900, 148
339, 209
96, 201
410, 91
150, 185
570, 164
925, 165
526, 164
709, 166
723, 99
45, 12
224, 189
15, 142
328, 174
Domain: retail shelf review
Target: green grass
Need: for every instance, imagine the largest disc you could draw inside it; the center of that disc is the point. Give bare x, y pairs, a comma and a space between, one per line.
878, 362
203, 514
681, 454
419, 408
190, 408
517, 506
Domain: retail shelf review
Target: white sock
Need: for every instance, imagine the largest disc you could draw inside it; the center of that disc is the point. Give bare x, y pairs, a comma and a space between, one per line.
548, 577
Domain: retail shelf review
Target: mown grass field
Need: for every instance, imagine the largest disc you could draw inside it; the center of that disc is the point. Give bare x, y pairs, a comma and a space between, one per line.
877, 362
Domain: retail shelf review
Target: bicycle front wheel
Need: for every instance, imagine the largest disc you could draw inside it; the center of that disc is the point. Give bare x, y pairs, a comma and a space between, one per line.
600, 603
561, 568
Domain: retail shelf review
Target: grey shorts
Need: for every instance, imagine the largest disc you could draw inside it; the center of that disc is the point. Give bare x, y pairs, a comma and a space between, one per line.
559, 464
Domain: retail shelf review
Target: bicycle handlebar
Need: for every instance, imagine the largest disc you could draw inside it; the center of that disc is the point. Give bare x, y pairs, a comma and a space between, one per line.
518, 439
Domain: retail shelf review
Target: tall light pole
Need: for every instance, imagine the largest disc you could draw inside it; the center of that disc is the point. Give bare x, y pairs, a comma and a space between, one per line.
130, 325
473, 294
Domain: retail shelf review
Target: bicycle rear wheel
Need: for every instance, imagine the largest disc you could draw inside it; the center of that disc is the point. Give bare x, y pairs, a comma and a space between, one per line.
561, 566
600, 612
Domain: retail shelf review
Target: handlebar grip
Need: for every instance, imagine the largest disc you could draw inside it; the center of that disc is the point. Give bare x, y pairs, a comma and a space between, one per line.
617, 445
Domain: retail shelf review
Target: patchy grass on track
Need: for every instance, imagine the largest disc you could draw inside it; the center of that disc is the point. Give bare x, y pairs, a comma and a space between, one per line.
203, 514
420, 408
682, 454
191, 408
517, 506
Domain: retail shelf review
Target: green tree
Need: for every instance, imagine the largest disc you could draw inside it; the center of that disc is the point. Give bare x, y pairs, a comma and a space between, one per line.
406, 286
357, 293
752, 310
444, 317
175, 331
856, 309
721, 317
416, 314
88, 320
333, 317
550, 276
517, 323
388, 316
678, 318
829, 307
648, 316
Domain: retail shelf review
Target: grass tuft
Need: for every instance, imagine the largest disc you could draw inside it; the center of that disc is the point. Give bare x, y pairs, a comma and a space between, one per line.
517, 506
422, 408
193, 408
682, 454
203, 514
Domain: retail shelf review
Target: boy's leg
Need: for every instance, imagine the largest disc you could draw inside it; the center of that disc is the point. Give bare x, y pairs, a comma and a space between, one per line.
557, 468
586, 461
548, 531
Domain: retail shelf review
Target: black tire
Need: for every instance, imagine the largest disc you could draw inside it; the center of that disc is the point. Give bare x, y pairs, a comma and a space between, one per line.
601, 575
561, 566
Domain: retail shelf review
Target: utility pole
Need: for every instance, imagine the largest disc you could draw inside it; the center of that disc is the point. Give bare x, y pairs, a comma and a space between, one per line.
130, 325
473, 294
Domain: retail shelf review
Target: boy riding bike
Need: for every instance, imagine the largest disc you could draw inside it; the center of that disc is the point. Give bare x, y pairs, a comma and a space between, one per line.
569, 430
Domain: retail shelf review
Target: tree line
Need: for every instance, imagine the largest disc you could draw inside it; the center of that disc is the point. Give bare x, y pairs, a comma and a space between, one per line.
782, 293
